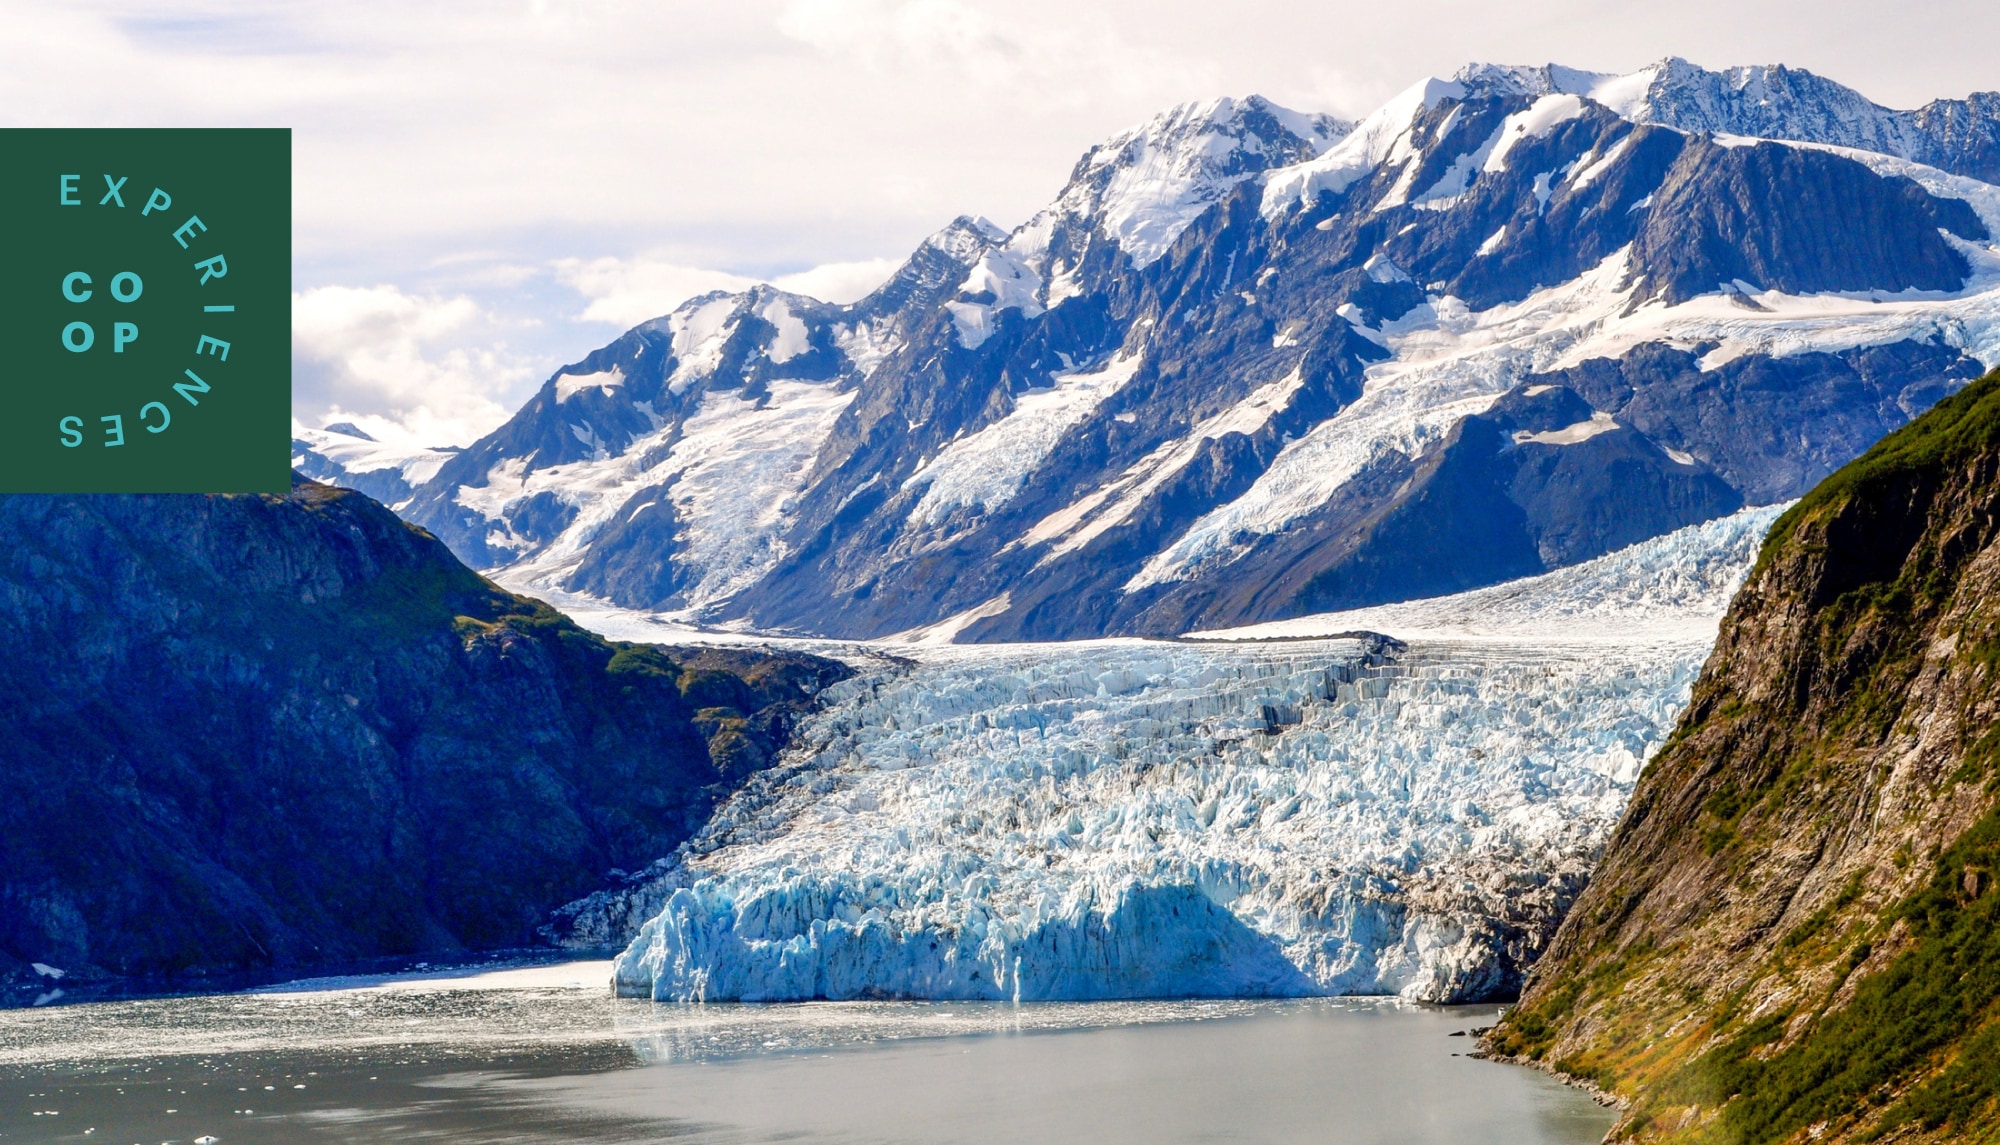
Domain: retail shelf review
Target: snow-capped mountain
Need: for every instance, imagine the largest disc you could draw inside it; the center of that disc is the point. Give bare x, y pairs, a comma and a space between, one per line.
1775, 102
1126, 818
1252, 364
344, 455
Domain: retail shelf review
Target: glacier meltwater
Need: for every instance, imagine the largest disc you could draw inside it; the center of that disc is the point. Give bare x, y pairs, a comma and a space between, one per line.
1331, 815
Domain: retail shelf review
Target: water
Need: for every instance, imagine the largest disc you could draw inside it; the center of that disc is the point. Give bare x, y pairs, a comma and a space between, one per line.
547, 1054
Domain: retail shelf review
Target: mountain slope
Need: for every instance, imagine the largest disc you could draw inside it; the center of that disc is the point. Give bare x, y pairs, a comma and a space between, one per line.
248, 732
1251, 364
1794, 932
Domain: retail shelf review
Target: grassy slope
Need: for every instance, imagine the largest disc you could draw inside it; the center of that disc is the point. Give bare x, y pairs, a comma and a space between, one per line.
1793, 933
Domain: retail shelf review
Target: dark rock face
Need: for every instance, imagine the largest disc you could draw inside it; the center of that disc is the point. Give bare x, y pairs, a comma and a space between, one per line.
256, 732
1280, 299
1793, 932
1771, 427
1538, 481
1779, 217
1964, 135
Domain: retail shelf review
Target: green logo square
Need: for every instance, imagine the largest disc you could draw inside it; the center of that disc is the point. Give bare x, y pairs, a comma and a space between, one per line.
146, 308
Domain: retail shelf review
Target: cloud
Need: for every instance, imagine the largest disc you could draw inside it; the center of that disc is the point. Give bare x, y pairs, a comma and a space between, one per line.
937, 32
1042, 60
409, 369
840, 281
628, 291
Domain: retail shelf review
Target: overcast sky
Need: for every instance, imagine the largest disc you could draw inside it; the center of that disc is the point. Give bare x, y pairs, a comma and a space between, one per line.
484, 191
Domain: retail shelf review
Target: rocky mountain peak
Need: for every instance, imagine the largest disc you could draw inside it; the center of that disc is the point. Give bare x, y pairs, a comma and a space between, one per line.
1769, 101
1186, 391
1142, 187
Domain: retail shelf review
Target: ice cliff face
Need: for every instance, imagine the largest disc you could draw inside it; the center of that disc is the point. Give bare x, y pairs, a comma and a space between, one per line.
1251, 365
1131, 818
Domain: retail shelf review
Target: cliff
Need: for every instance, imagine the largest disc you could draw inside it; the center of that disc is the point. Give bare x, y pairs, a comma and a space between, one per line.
1792, 934
247, 733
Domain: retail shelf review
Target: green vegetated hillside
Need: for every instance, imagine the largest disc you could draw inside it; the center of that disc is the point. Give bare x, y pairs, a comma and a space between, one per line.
257, 732
1793, 935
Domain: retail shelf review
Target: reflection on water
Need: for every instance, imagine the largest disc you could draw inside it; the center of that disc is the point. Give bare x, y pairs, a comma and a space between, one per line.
547, 1054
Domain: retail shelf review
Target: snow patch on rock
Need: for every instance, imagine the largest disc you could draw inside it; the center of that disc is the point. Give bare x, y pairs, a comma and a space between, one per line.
362, 455
570, 385
736, 468
984, 470
1377, 139
1108, 506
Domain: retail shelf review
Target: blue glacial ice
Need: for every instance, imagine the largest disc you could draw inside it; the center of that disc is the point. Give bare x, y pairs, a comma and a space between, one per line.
1119, 819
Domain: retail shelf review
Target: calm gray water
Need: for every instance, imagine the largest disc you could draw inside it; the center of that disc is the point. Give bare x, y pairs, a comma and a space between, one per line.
547, 1055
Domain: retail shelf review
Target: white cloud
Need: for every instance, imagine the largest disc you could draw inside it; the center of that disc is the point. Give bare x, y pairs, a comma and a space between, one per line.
1047, 61
939, 33
628, 291
840, 281
409, 369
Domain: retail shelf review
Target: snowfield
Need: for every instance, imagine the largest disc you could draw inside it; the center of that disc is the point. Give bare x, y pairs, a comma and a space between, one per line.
1335, 815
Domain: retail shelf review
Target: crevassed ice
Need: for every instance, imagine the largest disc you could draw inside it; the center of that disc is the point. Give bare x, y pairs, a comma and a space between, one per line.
1131, 820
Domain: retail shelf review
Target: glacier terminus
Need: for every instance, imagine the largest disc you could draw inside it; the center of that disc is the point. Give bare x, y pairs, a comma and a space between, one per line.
1319, 814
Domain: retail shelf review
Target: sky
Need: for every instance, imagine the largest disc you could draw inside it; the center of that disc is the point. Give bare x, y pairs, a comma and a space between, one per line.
484, 192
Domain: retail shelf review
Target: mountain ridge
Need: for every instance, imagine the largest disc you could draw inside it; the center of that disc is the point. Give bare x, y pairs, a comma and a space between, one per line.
1188, 392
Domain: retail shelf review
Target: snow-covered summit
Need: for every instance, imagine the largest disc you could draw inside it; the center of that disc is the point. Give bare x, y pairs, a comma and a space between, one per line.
344, 455
1769, 101
1142, 187
1155, 408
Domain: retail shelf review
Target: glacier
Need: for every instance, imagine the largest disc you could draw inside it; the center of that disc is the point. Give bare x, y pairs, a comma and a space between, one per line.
1346, 813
